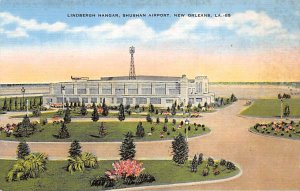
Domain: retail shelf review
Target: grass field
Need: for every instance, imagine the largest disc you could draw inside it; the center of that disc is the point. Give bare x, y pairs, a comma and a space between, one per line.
88, 131
271, 108
57, 178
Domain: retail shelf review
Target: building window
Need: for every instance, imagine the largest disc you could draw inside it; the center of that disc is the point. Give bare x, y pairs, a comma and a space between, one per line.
94, 91
85, 100
106, 91
81, 91
173, 91
141, 100
69, 91
132, 91
169, 100
198, 100
129, 101
94, 100
146, 90
60, 100
191, 100
155, 100
74, 99
160, 91
119, 100
119, 91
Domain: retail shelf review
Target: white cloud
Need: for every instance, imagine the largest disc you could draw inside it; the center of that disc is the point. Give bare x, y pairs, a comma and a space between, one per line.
248, 24
24, 25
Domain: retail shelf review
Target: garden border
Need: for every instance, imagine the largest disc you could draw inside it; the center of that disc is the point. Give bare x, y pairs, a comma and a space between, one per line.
158, 186
271, 136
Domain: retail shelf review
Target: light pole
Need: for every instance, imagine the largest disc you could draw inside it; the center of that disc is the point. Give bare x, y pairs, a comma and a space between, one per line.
26, 107
187, 122
63, 96
23, 92
281, 107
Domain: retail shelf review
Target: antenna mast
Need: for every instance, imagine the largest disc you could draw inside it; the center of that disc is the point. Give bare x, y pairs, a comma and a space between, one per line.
132, 69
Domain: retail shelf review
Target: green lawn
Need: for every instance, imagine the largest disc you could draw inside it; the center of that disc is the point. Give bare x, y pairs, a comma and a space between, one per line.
88, 131
76, 114
271, 108
57, 178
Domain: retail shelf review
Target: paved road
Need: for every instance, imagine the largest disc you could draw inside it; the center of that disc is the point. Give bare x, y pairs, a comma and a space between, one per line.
267, 163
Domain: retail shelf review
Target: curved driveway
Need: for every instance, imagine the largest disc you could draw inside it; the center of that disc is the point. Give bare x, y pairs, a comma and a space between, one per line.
267, 163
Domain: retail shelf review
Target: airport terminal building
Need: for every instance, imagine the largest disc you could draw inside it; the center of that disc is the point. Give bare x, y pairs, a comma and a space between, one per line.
161, 91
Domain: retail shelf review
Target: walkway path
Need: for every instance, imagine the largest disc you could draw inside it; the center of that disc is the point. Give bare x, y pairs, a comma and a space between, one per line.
267, 163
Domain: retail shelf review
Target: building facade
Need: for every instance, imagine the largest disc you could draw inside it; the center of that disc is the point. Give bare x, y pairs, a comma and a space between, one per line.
161, 91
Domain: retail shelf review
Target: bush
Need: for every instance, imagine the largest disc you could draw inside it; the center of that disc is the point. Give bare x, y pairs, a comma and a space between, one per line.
210, 161
148, 118
200, 158
23, 150
223, 162
205, 172
145, 177
140, 131
104, 181
165, 128
63, 132
174, 121
180, 149
230, 165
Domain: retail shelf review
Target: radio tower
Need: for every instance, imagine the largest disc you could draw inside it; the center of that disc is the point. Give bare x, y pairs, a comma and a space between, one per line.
132, 69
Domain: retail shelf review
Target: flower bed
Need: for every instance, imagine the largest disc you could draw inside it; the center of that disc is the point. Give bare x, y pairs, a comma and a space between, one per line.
279, 129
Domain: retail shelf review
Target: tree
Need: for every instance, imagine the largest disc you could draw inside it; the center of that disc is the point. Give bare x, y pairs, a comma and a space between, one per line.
173, 109
104, 108
166, 119
286, 112
83, 110
121, 115
127, 148
200, 159
180, 149
36, 112
157, 120
102, 130
75, 149
148, 118
16, 103
233, 98
194, 165
41, 101
95, 114
140, 131
25, 128
63, 132
10, 104
67, 117
23, 150
151, 108
4, 108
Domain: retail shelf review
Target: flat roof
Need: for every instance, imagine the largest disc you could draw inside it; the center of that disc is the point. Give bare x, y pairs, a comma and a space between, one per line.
152, 78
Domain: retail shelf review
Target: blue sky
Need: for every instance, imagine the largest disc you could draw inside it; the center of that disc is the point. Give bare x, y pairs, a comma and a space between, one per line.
286, 13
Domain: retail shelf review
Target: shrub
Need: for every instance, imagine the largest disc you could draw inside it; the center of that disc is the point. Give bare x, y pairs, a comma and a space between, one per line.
180, 149
210, 161
102, 130
230, 165
63, 132
168, 133
127, 148
166, 119
174, 121
140, 131
205, 172
36, 112
200, 158
127, 168
194, 164
223, 162
157, 120
148, 118
165, 128
29, 167
144, 177
23, 150
75, 149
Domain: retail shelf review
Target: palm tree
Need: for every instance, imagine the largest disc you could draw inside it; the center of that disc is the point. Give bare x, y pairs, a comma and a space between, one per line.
75, 164
30, 167
89, 160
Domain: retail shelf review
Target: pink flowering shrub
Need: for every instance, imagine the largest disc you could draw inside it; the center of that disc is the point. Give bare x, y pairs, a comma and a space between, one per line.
126, 168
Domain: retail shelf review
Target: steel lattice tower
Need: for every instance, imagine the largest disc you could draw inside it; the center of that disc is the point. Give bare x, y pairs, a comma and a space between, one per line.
132, 69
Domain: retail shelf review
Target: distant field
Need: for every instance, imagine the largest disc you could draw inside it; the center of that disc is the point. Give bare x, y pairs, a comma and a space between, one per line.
271, 108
